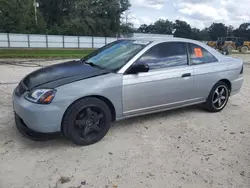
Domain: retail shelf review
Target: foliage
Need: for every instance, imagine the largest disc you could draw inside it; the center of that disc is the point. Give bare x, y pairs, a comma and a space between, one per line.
217, 30
202, 35
54, 11
159, 27
230, 30
101, 18
127, 29
97, 18
74, 17
183, 29
243, 31
18, 16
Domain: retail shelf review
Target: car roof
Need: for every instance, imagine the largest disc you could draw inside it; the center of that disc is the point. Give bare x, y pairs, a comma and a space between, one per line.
156, 40
160, 39
167, 39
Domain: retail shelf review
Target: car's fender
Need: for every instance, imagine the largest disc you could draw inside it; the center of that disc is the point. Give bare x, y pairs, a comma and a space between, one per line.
108, 86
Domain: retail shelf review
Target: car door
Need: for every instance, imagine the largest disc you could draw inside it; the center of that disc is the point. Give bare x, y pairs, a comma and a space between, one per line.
207, 70
168, 83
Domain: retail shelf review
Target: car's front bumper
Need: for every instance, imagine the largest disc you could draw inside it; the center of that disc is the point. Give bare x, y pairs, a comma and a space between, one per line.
26, 131
37, 118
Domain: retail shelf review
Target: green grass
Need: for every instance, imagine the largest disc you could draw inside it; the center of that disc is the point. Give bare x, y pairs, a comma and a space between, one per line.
44, 53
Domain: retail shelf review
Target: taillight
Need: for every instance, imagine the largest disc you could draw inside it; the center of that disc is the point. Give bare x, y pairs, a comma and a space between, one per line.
241, 72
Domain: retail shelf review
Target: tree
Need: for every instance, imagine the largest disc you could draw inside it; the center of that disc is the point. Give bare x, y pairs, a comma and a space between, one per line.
82, 19
101, 18
9, 16
230, 30
217, 30
127, 27
159, 27
163, 27
202, 35
123, 7
183, 29
18, 16
54, 11
142, 28
244, 26
98, 18
243, 31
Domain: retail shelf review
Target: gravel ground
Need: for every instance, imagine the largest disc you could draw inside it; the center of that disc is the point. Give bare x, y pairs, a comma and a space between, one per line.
185, 148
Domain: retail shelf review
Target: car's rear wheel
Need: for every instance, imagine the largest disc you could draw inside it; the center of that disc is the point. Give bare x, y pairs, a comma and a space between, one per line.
218, 97
87, 121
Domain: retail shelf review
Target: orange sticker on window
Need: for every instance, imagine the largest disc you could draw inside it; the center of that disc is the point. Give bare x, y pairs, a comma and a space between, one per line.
198, 52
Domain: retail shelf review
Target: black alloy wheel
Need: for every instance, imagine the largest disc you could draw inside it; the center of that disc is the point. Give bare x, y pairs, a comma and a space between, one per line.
87, 121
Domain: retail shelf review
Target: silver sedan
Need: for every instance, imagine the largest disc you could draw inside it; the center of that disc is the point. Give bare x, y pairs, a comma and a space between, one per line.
130, 77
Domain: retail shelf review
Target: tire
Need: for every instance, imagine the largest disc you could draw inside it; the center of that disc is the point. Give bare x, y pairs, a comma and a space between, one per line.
211, 105
244, 49
230, 49
83, 109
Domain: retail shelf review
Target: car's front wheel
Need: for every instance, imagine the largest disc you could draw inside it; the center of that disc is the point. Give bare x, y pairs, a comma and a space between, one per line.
87, 121
218, 97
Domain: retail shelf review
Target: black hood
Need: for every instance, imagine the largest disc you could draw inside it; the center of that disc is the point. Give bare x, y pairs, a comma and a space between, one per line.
61, 74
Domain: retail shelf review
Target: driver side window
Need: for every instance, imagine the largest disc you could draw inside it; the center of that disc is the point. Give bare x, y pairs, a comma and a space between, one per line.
164, 55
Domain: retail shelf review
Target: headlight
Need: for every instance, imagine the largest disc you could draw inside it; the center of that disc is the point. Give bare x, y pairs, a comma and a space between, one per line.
41, 96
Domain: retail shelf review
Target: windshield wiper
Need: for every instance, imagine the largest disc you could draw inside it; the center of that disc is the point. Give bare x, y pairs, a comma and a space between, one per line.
94, 65
91, 64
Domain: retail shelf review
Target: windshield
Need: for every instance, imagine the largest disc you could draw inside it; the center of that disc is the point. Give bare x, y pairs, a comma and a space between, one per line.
115, 55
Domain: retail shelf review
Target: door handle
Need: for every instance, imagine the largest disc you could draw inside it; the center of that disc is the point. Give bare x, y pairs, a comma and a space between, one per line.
186, 75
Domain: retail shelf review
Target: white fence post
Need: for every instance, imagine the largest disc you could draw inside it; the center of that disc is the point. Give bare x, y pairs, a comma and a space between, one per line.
63, 41
28, 37
8, 38
78, 40
92, 41
47, 45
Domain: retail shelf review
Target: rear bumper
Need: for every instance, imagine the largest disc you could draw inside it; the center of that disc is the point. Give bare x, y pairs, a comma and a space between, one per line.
24, 130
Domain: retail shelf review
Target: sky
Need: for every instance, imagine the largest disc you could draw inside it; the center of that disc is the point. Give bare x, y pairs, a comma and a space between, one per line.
198, 13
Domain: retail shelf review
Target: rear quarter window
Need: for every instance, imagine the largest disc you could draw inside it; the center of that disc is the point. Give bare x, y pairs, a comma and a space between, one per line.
199, 55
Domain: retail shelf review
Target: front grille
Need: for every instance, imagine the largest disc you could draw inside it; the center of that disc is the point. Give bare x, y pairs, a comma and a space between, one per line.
20, 89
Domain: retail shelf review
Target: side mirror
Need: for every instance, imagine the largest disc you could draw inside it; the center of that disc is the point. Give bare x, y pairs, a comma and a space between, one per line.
135, 69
